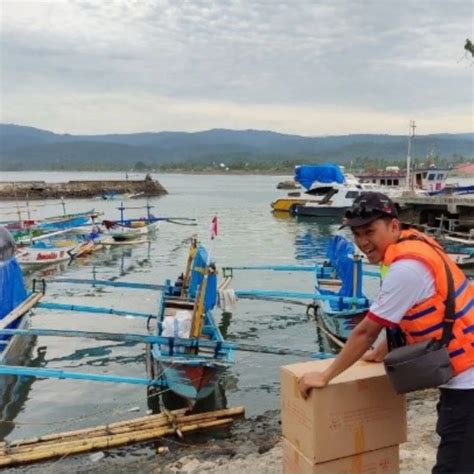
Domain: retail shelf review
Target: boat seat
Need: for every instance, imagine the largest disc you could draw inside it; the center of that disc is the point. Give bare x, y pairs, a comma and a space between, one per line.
329, 282
177, 303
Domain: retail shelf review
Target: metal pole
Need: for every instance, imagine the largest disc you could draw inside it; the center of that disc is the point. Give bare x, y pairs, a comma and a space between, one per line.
411, 136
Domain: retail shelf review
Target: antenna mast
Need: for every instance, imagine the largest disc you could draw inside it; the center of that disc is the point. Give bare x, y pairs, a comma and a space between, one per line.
411, 136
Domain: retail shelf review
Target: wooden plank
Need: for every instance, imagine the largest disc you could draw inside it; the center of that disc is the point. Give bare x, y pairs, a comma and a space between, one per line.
20, 310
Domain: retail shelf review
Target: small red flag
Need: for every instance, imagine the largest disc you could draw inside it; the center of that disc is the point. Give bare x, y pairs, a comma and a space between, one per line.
214, 227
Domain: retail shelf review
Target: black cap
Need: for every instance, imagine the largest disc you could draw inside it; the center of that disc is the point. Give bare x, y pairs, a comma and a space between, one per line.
368, 207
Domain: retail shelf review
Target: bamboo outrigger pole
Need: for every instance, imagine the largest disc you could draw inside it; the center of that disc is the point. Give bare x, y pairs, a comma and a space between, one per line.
159, 419
151, 339
113, 435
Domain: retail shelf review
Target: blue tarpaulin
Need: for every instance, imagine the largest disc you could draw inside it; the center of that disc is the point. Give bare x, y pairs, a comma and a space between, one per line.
306, 175
341, 255
12, 288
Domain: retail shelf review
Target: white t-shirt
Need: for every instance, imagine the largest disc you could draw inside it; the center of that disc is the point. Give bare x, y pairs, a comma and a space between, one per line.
409, 282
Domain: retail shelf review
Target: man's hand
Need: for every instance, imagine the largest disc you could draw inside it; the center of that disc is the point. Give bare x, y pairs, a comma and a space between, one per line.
376, 354
311, 380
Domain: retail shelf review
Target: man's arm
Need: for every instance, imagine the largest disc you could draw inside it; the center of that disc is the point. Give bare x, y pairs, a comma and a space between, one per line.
361, 339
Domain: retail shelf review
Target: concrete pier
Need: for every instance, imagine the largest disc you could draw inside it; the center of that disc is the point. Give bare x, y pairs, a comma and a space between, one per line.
34, 190
428, 210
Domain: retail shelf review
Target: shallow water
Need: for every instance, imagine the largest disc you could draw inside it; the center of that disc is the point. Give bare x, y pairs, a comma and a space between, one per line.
249, 234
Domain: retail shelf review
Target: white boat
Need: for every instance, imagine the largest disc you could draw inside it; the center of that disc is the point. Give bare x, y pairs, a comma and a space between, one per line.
130, 231
329, 191
44, 254
336, 198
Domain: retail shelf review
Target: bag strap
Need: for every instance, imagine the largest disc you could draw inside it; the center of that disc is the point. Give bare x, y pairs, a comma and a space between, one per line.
449, 308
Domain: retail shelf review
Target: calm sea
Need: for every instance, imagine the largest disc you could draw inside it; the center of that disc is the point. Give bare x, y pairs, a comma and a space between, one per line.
249, 234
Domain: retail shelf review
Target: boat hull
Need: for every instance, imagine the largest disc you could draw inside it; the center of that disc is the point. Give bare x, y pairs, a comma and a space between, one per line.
123, 233
14, 350
287, 204
320, 211
43, 256
191, 381
340, 324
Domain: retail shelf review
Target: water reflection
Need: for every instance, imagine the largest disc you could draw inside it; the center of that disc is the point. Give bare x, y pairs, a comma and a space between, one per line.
224, 324
312, 241
14, 390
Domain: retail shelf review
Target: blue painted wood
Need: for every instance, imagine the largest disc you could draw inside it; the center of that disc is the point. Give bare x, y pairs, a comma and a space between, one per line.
277, 268
294, 268
119, 284
297, 294
91, 309
168, 341
63, 374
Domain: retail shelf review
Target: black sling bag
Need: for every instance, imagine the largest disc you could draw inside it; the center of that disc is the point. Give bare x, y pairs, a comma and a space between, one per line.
424, 364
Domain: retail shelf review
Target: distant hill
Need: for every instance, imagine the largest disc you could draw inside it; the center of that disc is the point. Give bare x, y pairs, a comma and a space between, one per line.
32, 148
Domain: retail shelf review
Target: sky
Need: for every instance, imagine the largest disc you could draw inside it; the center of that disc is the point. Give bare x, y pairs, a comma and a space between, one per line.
314, 68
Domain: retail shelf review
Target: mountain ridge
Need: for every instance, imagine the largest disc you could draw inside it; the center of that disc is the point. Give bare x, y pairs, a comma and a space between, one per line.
24, 147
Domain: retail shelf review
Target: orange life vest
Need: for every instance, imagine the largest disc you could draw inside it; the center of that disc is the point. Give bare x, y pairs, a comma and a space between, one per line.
425, 320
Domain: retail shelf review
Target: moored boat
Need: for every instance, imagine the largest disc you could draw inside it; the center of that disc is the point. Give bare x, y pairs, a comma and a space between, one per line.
44, 253
15, 304
329, 192
338, 317
316, 180
129, 230
192, 371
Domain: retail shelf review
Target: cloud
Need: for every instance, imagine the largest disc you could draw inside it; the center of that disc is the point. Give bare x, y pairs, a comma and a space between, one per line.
244, 59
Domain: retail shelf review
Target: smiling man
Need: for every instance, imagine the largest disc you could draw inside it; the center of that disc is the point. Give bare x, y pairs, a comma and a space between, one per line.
412, 299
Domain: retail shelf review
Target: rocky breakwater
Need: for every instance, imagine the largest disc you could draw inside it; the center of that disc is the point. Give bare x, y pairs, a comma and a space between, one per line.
147, 187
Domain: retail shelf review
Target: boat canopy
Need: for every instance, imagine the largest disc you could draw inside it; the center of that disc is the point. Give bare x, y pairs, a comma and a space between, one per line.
197, 274
306, 175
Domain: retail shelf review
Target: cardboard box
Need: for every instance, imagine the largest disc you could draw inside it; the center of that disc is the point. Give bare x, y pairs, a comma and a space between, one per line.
380, 461
358, 411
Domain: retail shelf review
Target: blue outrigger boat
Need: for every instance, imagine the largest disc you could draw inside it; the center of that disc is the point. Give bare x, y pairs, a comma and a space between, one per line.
186, 352
192, 370
14, 308
337, 301
15, 305
340, 317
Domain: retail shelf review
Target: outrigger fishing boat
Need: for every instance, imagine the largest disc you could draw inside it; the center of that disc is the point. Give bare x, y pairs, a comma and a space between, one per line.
59, 246
125, 230
337, 302
67, 221
186, 367
132, 231
337, 316
15, 304
44, 253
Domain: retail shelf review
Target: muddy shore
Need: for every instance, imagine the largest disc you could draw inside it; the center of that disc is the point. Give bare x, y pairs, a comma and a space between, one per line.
249, 446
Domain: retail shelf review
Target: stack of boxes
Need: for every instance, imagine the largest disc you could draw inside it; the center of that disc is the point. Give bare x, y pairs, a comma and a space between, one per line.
354, 425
